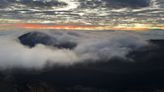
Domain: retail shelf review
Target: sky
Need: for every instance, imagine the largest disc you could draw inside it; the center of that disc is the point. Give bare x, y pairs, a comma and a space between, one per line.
95, 14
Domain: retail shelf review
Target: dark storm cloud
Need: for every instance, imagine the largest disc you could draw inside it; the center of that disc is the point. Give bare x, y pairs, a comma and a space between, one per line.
129, 3
83, 3
35, 3
116, 3
42, 3
3, 3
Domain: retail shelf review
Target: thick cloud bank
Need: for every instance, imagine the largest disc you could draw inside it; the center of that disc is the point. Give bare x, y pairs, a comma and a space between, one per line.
91, 47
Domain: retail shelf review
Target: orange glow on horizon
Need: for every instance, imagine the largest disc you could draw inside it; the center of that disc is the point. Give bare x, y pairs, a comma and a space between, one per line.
77, 27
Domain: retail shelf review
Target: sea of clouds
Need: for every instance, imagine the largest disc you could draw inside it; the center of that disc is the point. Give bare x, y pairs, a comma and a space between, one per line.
91, 46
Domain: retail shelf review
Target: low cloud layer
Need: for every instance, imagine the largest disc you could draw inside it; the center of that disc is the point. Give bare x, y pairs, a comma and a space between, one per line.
91, 46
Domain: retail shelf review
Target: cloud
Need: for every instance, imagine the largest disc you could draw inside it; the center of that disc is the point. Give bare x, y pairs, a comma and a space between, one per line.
116, 3
38, 3
113, 46
93, 46
13, 54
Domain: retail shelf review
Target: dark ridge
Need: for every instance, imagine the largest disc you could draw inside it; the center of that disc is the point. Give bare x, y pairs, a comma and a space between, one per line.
31, 39
152, 53
116, 3
159, 43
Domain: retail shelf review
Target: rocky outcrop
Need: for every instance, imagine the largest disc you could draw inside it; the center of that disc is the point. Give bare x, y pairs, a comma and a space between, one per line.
31, 39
